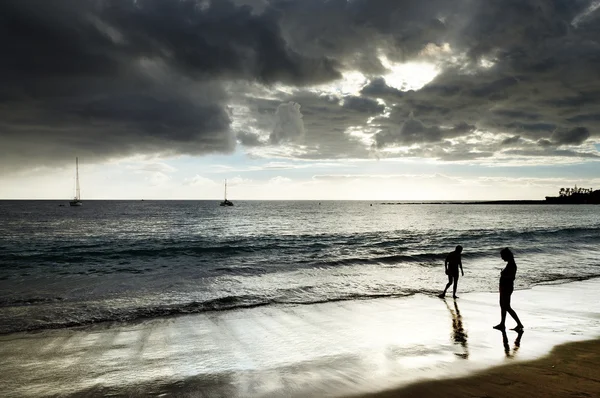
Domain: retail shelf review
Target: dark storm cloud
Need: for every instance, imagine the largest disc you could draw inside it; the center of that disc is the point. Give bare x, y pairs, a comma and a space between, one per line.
363, 105
219, 39
249, 139
544, 143
414, 131
511, 141
542, 82
108, 78
356, 32
207, 38
575, 136
378, 88
117, 77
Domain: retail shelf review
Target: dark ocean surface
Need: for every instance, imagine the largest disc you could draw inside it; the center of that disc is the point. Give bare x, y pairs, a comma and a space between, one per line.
127, 260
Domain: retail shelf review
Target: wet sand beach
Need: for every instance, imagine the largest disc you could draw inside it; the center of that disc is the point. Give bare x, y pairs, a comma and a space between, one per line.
570, 370
332, 349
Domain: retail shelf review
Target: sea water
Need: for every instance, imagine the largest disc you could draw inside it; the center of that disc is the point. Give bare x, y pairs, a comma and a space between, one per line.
121, 261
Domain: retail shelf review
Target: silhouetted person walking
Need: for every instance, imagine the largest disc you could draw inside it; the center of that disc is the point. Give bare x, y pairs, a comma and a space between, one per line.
507, 279
451, 265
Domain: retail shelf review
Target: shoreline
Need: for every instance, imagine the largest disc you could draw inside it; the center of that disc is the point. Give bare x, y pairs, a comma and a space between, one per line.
370, 201
108, 323
570, 370
348, 348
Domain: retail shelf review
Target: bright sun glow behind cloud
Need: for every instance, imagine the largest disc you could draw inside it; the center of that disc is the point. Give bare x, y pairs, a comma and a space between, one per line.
409, 75
350, 84
402, 76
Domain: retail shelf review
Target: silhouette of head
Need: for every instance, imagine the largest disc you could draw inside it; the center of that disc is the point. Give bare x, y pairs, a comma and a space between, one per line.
459, 249
506, 254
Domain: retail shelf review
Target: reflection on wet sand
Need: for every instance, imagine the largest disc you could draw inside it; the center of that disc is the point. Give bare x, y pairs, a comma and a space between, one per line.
323, 350
459, 335
516, 346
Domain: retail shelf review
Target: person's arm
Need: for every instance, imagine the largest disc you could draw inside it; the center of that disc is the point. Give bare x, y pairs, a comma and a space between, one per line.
446, 266
461, 270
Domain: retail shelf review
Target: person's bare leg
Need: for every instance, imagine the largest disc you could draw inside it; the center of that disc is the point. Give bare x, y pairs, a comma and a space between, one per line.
454, 289
501, 326
447, 286
515, 317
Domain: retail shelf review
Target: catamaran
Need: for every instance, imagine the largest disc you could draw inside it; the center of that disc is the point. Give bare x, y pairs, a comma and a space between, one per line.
226, 202
77, 199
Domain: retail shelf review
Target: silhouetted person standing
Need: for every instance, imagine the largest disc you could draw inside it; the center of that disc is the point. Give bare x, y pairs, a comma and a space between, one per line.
452, 263
507, 279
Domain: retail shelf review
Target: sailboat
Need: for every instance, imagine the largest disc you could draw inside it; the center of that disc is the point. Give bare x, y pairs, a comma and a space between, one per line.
226, 202
77, 199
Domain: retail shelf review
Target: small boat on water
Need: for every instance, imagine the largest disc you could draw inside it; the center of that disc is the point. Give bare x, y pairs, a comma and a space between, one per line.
77, 199
226, 202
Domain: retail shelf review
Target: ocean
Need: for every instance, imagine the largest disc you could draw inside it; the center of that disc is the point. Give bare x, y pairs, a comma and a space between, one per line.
123, 261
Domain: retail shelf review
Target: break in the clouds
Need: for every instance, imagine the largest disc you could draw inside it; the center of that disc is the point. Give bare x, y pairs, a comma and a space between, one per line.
310, 79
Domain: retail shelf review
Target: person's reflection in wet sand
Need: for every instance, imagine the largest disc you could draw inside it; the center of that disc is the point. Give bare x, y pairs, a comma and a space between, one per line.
459, 335
516, 346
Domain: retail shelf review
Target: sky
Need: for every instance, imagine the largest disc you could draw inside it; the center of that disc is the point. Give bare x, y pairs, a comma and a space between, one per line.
299, 99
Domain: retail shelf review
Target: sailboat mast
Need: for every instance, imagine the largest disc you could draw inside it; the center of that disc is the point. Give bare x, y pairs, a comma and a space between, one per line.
77, 189
225, 189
